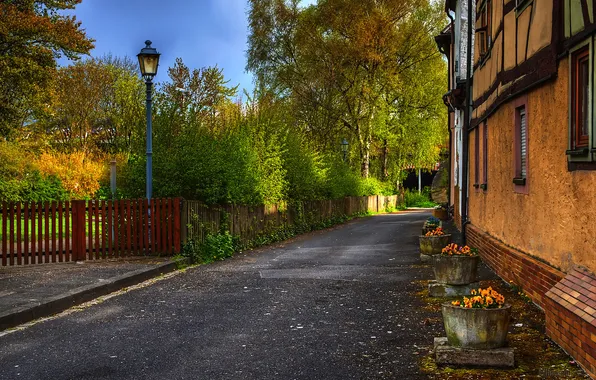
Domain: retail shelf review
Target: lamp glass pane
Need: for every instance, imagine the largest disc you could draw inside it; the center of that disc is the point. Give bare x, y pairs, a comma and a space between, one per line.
150, 65
141, 64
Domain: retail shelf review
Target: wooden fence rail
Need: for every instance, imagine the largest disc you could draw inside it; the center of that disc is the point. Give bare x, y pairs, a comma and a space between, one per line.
44, 232
248, 222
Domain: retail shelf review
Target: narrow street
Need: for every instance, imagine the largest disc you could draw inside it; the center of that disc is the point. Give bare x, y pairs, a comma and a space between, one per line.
334, 304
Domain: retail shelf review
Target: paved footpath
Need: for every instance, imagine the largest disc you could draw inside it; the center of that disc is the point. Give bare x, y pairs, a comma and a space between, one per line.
335, 304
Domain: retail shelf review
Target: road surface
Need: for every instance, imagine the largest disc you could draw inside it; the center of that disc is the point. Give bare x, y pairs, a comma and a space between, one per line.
333, 304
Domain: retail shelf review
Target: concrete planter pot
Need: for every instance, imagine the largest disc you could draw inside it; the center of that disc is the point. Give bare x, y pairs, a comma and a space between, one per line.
456, 269
432, 245
440, 214
427, 228
476, 328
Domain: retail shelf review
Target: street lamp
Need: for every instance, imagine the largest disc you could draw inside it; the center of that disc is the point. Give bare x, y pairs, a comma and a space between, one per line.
148, 62
344, 148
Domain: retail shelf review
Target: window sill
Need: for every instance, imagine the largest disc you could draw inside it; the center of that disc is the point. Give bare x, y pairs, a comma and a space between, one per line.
519, 181
574, 166
484, 58
577, 152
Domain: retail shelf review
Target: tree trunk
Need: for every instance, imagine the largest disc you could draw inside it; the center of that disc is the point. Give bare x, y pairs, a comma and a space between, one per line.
365, 160
364, 166
384, 160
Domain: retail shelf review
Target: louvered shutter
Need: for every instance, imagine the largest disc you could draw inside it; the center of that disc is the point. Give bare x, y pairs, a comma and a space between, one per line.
523, 142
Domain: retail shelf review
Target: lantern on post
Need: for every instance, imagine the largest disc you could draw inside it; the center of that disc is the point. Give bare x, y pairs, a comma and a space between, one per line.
148, 63
344, 148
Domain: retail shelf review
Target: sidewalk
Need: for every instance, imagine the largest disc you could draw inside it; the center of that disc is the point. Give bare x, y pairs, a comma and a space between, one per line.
36, 291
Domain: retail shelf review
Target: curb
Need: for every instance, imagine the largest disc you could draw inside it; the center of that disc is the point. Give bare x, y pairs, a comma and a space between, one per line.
55, 305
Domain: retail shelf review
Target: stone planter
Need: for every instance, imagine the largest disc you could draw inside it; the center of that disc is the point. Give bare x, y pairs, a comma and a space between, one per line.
456, 269
432, 245
440, 214
427, 228
476, 328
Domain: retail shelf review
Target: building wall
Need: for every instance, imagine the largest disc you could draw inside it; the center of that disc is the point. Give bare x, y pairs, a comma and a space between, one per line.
522, 53
555, 221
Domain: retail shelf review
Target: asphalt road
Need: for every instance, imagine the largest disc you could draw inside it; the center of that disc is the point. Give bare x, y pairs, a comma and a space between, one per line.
334, 304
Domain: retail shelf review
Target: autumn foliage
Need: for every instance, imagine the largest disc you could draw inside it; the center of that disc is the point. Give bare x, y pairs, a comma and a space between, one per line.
79, 173
32, 35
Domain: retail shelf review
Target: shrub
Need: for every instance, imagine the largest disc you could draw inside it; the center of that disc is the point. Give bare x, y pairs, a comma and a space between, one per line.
79, 173
373, 186
21, 180
415, 199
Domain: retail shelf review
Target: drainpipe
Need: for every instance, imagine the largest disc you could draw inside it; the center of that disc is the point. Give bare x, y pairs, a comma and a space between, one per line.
449, 117
467, 120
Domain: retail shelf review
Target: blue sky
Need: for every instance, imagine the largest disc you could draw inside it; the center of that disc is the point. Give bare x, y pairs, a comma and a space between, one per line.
201, 32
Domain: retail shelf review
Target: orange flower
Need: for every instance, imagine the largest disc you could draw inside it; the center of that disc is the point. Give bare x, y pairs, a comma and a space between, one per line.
436, 232
482, 298
454, 249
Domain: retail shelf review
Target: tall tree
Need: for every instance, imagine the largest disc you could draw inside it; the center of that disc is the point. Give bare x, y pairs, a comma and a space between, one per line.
200, 94
33, 34
344, 62
98, 105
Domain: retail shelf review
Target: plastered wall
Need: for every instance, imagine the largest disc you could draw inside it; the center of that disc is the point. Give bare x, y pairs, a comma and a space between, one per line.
556, 221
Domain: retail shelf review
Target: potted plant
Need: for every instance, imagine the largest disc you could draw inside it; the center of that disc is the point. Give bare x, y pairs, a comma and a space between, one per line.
441, 212
480, 321
433, 241
456, 265
431, 224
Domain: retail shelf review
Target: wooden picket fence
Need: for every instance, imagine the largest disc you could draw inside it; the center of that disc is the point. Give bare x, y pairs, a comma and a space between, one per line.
44, 232
249, 222
50, 232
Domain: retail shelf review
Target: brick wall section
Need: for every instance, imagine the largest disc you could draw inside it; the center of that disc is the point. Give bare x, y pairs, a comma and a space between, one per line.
571, 316
535, 277
569, 301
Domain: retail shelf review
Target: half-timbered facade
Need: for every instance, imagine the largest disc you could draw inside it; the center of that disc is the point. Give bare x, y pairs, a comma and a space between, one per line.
531, 138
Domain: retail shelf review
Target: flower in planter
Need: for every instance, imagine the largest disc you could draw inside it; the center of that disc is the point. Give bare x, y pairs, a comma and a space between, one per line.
482, 299
433, 222
436, 232
453, 249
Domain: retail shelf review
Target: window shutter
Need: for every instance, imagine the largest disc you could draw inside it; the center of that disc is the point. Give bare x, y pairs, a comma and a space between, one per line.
523, 142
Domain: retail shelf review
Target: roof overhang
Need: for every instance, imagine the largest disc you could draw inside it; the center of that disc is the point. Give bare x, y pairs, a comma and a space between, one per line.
443, 40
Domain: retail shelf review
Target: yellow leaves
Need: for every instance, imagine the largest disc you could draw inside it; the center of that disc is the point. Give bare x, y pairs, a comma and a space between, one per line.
80, 173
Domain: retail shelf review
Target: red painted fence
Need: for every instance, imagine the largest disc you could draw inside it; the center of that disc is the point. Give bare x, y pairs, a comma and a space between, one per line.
44, 232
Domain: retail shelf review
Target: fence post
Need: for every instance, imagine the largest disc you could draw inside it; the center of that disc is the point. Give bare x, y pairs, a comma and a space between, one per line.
177, 217
183, 220
79, 246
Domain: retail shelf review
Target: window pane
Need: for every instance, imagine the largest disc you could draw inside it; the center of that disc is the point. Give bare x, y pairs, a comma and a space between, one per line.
584, 88
580, 99
485, 154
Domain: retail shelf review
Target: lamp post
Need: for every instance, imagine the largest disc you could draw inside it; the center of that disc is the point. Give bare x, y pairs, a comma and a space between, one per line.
344, 148
148, 62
